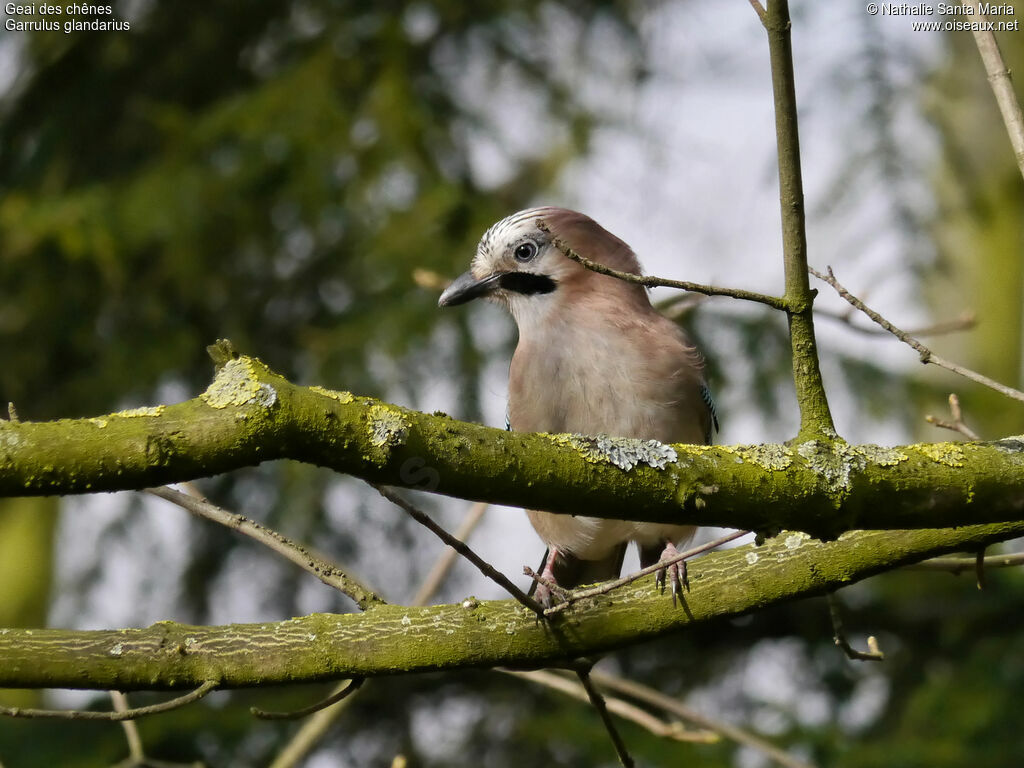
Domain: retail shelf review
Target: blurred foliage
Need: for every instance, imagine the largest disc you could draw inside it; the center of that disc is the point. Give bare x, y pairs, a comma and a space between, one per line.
979, 227
273, 173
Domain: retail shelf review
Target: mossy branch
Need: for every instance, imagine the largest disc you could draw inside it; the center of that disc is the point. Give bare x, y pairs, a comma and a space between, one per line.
250, 414
389, 640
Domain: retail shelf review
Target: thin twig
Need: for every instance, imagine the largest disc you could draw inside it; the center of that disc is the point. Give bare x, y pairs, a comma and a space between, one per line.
759, 10
313, 730
556, 589
116, 716
131, 730
655, 725
872, 654
979, 569
432, 581
667, 703
957, 565
484, 567
660, 282
965, 322
1002, 85
608, 586
327, 572
597, 701
926, 355
957, 424
343, 692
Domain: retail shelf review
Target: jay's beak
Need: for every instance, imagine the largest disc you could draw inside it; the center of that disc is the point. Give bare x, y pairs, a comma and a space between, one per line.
466, 287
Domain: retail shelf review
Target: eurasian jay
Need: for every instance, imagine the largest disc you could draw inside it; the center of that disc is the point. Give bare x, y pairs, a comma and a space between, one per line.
593, 357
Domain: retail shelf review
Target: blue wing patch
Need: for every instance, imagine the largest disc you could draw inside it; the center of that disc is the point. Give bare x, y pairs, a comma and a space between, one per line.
705, 395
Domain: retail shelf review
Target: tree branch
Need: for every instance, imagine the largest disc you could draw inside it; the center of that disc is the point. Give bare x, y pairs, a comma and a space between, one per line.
926, 355
118, 715
597, 702
327, 572
249, 415
815, 416
472, 634
463, 549
1002, 85
662, 282
625, 710
670, 704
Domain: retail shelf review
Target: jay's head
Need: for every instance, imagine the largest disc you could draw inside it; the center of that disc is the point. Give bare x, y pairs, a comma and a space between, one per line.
521, 262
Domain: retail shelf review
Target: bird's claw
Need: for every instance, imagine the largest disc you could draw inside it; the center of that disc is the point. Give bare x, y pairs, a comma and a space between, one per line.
677, 575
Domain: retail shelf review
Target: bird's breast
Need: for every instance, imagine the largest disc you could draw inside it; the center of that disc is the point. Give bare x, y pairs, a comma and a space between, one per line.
597, 382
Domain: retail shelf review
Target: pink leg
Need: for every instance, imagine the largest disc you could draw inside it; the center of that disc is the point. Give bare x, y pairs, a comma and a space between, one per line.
677, 572
543, 591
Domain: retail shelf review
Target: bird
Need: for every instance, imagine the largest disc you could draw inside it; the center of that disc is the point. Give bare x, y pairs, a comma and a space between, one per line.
593, 357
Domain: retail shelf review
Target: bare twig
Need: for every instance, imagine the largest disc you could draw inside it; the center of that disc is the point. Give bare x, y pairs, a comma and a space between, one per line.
957, 565
660, 282
555, 588
338, 694
979, 569
313, 730
667, 703
597, 701
675, 731
759, 10
872, 654
957, 424
608, 586
443, 564
116, 716
328, 573
965, 322
1002, 85
131, 731
926, 355
485, 568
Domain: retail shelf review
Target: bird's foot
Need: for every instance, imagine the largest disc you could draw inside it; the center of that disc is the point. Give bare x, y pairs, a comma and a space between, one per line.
547, 589
676, 571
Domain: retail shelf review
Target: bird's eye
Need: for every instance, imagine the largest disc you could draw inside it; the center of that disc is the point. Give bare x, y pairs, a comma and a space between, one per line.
525, 251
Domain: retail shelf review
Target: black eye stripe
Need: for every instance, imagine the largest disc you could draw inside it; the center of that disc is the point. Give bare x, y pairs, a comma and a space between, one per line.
526, 283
